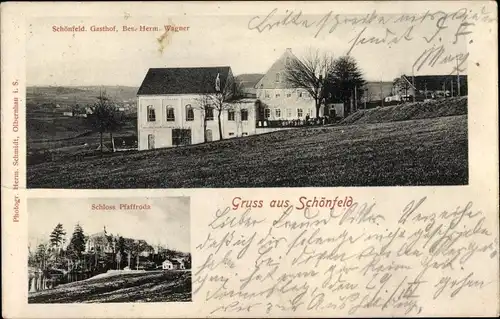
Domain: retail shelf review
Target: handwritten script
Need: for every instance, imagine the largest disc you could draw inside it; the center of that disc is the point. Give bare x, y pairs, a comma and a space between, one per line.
342, 261
437, 30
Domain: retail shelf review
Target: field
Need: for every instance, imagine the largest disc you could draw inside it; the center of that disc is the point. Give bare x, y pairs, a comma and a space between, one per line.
410, 111
50, 131
431, 151
38, 95
154, 286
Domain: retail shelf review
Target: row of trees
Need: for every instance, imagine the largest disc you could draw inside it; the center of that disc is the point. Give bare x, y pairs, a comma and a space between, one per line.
124, 251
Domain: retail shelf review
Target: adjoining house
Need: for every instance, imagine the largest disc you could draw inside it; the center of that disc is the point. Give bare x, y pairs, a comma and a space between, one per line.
175, 107
279, 99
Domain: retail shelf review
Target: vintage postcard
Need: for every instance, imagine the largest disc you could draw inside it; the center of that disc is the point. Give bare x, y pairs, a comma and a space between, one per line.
250, 159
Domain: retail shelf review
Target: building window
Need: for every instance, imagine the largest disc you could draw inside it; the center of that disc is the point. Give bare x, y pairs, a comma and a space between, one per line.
189, 113
244, 115
231, 133
209, 113
230, 115
267, 113
151, 114
267, 94
300, 112
278, 112
289, 94
278, 95
289, 113
244, 134
277, 77
170, 114
300, 93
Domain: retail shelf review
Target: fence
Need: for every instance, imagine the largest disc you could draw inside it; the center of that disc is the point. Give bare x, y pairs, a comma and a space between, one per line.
294, 123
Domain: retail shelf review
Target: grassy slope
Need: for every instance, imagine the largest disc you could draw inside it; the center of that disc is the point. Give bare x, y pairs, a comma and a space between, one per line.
410, 111
53, 127
417, 152
144, 287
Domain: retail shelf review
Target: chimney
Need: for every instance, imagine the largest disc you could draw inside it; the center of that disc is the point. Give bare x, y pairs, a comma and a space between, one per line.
289, 50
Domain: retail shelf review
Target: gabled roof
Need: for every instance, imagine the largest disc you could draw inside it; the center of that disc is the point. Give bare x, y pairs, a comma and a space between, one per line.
405, 78
196, 80
268, 81
99, 234
173, 261
435, 82
247, 82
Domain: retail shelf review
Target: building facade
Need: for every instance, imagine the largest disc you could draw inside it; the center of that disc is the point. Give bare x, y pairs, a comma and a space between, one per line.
179, 106
100, 242
279, 99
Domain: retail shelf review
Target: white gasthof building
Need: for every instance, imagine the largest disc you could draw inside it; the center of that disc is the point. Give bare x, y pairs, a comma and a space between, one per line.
172, 106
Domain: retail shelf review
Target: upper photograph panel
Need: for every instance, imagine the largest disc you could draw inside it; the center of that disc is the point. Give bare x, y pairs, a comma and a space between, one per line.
282, 99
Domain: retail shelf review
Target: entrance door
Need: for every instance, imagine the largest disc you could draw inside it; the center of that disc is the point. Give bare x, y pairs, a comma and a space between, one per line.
151, 141
208, 135
181, 137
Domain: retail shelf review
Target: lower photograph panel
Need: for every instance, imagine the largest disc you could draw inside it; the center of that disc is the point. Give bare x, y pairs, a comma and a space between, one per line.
89, 250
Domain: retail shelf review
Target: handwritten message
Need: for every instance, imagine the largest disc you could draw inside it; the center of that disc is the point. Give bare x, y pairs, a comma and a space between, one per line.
352, 260
437, 30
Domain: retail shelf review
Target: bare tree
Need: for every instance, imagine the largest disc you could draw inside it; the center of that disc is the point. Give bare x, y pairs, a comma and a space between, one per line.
310, 73
203, 104
225, 95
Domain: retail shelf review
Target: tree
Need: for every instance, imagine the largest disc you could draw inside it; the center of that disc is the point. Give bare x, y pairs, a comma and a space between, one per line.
225, 94
42, 256
118, 259
120, 245
77, 243
105, 118
345, 77
230, 92
57, 236
310, 73
187, 261
205, 107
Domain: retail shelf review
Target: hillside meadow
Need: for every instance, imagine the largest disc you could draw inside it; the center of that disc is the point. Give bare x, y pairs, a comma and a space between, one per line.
152, 286
430, 151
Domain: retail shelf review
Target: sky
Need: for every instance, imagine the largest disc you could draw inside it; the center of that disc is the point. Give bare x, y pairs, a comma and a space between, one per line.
166, 223
123, 58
